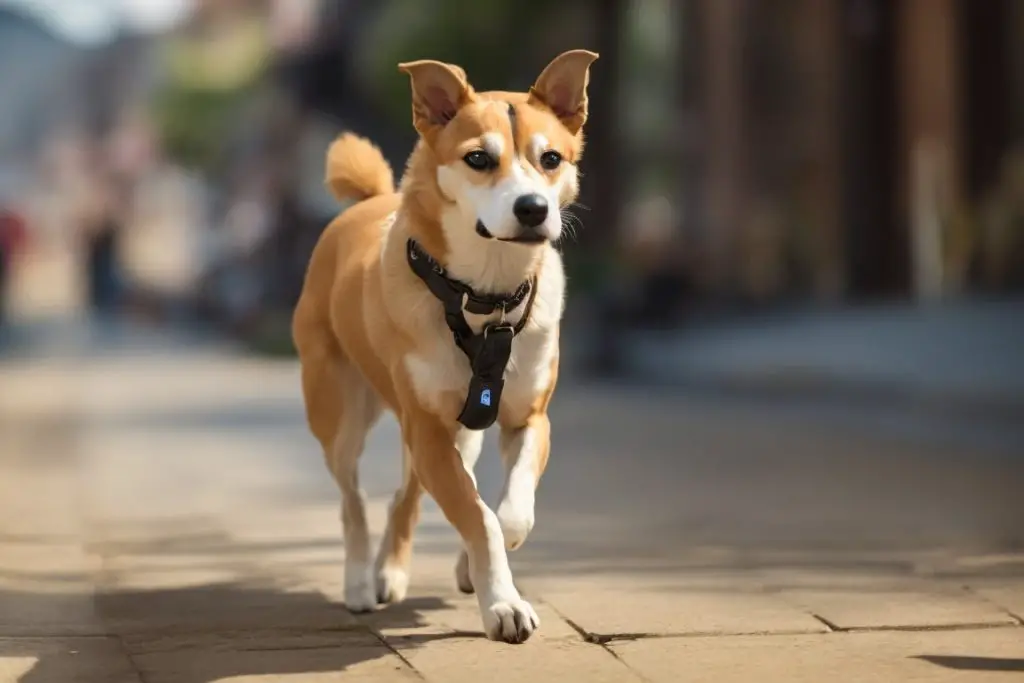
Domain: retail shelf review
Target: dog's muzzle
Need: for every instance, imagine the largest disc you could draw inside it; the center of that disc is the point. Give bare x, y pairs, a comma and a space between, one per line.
527, 234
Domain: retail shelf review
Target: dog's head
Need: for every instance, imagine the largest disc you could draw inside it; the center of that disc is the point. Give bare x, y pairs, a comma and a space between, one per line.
505, 164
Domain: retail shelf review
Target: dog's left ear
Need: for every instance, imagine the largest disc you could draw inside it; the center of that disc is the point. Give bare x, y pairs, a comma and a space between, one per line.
562, 87
439, 90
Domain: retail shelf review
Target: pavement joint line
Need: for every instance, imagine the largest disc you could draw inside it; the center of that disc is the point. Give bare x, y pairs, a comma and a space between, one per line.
591, 639
615, 656
1005, 610
584, 633
598, 640
831, 626
131, 660
930, 628
604, 638
394, 650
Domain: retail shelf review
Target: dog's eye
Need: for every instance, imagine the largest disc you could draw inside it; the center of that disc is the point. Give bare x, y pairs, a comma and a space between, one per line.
479, 161
549, 161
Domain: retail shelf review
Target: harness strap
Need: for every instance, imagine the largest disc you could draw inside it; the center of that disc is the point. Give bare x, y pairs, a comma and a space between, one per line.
489, 350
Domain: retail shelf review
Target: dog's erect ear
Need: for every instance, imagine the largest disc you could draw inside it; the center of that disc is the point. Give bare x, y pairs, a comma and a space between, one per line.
439, 90
562, 87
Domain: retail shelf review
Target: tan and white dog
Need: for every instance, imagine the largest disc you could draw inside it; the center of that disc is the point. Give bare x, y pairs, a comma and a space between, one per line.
442, 303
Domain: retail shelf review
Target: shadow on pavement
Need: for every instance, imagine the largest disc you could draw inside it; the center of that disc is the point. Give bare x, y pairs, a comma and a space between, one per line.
958, 663
202, 634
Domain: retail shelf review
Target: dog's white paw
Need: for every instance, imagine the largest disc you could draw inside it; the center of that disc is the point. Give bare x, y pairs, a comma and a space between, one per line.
510, 621
360, 594
462, 578
516, 519
392, 584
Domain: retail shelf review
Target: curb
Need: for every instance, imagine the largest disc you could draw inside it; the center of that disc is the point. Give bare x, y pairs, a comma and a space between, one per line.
810, 383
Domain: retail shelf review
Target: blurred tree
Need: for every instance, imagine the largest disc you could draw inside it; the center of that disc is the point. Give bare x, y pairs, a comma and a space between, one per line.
480, 36
211, 76
602, 193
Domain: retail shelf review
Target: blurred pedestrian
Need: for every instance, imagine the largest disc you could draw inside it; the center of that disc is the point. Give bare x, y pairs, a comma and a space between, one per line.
101, 224
13, 235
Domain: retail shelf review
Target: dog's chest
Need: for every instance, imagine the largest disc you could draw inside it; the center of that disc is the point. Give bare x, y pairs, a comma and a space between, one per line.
442, 374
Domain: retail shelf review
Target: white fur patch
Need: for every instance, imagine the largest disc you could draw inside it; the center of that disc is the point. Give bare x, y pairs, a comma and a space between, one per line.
360, 591
492, 576
516, 510
435, 371
506, 615
492, 205
493, 144
392, 583
538, 145
469, 443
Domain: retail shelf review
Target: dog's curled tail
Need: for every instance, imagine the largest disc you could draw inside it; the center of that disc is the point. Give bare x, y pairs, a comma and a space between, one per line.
357, 170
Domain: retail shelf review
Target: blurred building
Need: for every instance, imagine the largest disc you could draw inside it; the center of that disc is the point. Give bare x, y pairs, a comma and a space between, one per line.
853, 148
37, 71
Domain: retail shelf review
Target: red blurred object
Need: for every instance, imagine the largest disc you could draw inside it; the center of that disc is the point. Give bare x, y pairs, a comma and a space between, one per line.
13, 233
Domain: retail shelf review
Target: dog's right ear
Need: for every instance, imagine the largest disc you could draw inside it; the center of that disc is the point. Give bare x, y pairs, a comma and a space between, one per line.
439, 90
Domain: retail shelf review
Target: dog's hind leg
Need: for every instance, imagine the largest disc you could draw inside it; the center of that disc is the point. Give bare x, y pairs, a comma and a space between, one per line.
469, 444
395, 554
341, 408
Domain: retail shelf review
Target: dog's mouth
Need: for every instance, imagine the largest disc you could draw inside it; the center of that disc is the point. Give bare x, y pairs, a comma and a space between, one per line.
528, 236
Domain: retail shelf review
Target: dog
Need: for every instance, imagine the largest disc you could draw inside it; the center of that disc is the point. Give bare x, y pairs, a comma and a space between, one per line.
441, 302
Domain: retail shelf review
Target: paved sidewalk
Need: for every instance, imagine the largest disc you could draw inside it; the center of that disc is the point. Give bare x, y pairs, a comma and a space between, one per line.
966, 354
165, 518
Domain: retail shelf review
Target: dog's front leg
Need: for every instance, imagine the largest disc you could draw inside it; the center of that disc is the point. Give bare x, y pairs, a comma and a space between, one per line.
524, 452
440, 468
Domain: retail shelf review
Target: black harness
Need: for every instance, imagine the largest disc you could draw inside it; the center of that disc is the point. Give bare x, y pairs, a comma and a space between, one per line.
488, 350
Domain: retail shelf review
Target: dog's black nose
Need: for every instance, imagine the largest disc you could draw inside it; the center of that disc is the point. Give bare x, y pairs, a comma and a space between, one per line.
531, 209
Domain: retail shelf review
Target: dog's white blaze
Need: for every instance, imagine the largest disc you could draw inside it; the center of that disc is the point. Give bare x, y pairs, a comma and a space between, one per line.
493, 144
538, 145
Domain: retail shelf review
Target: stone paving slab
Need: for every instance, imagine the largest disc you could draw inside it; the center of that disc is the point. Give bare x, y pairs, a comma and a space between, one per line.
914, 605
263, 657
995, 655
1006, 594
65, 660
428, 613
446, 659
45, 590
219, 607
643, 607
28, 612
193, 518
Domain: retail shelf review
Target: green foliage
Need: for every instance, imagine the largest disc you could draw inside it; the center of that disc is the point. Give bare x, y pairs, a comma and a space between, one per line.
209, 83
486, 36
194, 123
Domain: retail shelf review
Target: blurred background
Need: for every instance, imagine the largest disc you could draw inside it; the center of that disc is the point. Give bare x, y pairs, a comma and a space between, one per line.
160, 160
796, 308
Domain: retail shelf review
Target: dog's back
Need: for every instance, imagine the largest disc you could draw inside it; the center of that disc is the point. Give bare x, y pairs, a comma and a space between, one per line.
355, 170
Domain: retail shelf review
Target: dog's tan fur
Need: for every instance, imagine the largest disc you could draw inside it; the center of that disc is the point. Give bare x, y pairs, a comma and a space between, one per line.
371, 336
